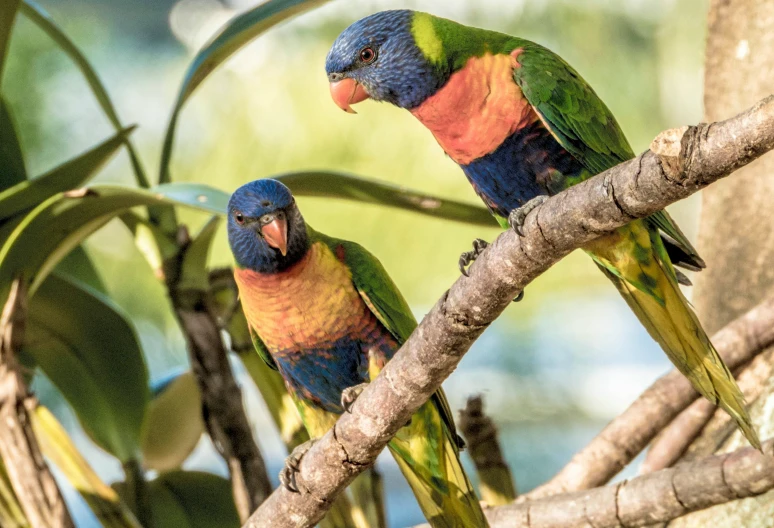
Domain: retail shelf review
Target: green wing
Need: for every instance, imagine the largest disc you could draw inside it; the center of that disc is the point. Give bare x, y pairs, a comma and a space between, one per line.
586, 128
386, 302
260, 347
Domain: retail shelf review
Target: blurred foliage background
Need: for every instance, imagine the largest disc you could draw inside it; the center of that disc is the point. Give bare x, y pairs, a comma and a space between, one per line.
553, 369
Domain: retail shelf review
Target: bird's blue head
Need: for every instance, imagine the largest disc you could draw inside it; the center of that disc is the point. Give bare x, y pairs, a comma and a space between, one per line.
377, 57
266, 231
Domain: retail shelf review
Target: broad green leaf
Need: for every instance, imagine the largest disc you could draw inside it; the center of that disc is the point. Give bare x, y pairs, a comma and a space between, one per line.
194, 273
190, 499
12, 169
173, 423
70, 175
89, 350
7, 16
58, 448
236, 33
77, 265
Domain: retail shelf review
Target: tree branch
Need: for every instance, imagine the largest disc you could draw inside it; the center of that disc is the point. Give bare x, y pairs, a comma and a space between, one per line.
649, 499
222, 406
629, 433
673, 441
682, 163
479, 431
30, 477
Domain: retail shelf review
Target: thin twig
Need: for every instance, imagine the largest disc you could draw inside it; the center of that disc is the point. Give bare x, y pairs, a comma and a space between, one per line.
30, 477
494, 475
681, 163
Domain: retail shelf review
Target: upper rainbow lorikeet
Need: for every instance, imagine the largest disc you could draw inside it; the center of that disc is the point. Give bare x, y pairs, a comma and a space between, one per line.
522, 124
325, 314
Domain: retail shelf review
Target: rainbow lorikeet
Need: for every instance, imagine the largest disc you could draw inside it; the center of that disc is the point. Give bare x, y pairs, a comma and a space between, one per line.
327, 316
523, 125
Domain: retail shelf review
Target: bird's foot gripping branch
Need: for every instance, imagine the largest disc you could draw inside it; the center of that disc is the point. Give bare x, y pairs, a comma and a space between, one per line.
680, 163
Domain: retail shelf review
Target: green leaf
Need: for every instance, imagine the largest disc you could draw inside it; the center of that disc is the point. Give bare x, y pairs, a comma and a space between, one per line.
236, 33
11, 514
56, 226
77, 265
7, 15
43, 20
12, 169
191, 499
58, 448
325, 184
70, 175
88, 349
194, 274
336, 185
154, 245
173, 423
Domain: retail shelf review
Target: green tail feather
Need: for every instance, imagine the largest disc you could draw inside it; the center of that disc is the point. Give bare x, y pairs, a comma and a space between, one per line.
635, 259
428, 456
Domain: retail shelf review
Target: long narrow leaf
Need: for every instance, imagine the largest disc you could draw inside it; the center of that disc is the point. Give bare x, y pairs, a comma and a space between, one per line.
12, 170
70, 175
59, 449
344, 186
7, 16
88, 349
236, 33
56, 226
43, 20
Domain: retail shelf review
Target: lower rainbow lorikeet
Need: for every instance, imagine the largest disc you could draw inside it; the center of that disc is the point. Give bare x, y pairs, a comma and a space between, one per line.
326, 315
523, 125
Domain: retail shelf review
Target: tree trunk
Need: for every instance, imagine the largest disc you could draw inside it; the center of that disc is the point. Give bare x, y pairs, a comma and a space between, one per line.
736, 235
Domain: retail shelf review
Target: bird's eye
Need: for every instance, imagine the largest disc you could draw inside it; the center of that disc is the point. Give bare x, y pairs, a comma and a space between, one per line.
367, 55
239, 217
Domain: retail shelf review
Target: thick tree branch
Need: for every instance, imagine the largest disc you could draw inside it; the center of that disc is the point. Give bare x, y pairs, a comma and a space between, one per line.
629, 433
30, 477
673, 441
649, 499
682, 164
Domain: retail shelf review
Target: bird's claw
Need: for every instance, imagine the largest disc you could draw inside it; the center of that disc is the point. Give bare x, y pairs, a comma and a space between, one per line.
519, 297
517, 217
292, 465
469, 257
350, 394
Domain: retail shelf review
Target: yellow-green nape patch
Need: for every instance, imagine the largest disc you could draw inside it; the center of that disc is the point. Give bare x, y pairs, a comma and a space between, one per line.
426, 38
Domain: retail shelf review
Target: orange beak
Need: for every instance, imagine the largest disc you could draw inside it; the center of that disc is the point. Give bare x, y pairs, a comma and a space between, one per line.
276, 234
347, 92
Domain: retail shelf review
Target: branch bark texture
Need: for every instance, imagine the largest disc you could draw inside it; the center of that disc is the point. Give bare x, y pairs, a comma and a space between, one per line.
649, 499
629, 433
494, 475
681, 163
222, 405
735, 232
30, 477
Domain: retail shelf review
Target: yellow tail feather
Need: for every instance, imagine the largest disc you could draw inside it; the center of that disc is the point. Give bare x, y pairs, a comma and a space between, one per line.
635, 260
434, 472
